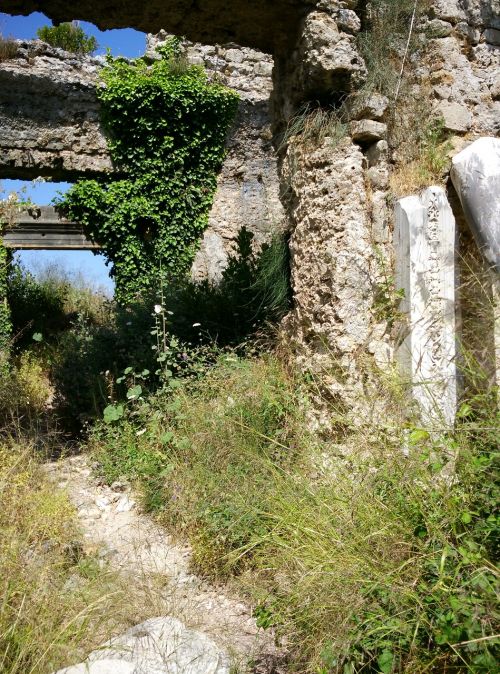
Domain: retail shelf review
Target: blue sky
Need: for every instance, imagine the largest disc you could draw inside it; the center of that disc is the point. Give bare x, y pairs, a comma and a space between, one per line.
122, 42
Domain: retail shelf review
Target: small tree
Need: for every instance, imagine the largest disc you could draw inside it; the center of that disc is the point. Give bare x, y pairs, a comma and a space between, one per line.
68, 36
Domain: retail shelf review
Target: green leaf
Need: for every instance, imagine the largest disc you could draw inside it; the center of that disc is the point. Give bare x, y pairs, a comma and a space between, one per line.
418, 435
134, 392
385, 661
37, 337
113, 413
464, 411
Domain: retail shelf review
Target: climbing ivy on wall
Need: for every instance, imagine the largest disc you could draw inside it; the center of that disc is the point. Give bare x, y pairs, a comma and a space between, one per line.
167, 125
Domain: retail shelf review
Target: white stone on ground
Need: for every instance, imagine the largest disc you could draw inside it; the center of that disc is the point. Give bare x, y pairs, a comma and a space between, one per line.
157, 646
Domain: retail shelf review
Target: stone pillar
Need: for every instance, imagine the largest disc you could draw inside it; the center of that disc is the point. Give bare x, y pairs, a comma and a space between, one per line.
425, 270
475, 174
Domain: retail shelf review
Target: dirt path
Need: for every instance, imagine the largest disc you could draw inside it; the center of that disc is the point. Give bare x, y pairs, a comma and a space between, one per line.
131, 543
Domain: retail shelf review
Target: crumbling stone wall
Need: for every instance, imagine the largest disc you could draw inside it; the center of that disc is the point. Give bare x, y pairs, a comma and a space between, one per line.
336, 194
49, 116
462, 64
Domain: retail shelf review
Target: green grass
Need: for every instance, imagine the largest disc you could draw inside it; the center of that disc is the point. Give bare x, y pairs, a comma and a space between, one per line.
364, 561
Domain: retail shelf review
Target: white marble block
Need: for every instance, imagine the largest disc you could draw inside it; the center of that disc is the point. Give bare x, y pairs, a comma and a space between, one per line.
425, 270
475, 174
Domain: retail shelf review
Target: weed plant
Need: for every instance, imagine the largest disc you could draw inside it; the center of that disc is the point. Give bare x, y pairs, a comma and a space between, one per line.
313, 125
68, 36
370, 560
8, 48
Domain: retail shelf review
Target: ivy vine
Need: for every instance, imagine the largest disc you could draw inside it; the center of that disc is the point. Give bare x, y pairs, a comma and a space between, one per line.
166, 124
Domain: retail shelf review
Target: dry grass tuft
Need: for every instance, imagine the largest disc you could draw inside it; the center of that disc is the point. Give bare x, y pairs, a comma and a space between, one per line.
8, 48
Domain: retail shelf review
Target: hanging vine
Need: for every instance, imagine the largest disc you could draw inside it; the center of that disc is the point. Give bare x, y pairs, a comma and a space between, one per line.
167, 125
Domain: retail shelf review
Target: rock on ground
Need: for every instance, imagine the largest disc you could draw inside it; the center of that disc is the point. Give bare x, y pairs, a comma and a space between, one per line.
157, 646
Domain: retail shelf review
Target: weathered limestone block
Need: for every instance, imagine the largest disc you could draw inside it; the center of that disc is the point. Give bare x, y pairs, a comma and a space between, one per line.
49, 115
463, 66
334, 270
373, 106
424, 240
481, 13
159, 646
324, 64
475, 174
329, 59
368, 131
457, 118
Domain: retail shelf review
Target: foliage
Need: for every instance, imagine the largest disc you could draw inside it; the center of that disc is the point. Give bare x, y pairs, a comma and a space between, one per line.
8, 48
431, 159
35, 306
68, 36
314, 125
5, 320
254, 291
9, 207
167, 125
369, 560
383, 40
393, 48
96, 350
50, 302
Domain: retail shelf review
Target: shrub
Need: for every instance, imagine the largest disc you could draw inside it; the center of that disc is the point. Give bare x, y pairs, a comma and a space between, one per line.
36, 306
254, 292
431, 159
68, 36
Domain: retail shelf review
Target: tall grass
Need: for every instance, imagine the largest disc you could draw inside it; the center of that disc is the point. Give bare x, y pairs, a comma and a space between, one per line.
56, 603
8, 48
364, 556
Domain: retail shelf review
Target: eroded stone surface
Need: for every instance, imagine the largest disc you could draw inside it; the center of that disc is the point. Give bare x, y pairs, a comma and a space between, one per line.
463, 64
260, 23
368, 131
334, 269
425, 271
475, 174
49, 115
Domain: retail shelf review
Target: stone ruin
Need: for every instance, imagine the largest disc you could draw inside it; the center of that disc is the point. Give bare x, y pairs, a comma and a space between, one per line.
334, 200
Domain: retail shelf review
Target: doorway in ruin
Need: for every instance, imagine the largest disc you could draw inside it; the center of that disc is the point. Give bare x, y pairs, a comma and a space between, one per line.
45, 244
